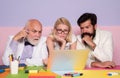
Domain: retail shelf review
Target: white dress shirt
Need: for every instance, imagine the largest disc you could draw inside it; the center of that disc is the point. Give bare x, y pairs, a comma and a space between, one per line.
36, 57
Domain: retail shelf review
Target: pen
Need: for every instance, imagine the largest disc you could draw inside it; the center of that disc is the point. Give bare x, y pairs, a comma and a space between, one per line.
2, 70
11, 57
77, 74
113, 73
73, 74
18, 58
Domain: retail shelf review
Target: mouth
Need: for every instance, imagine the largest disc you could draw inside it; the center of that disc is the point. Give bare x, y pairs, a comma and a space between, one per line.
62, 36
36, 39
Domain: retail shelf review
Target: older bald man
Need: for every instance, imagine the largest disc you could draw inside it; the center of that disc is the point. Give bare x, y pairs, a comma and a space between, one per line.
28, 44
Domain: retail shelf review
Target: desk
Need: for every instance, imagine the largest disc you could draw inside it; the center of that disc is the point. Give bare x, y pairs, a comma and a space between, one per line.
7, 70
87, 73
96, 74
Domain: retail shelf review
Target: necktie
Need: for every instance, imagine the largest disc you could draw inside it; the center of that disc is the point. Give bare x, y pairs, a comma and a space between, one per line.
28, 43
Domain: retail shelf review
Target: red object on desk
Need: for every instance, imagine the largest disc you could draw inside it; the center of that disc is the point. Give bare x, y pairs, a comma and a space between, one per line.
42, 77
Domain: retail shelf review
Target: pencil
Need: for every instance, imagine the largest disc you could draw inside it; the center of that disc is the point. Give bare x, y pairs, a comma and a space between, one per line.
10, 57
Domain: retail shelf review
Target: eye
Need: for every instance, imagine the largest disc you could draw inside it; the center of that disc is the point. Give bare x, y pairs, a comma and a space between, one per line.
34, 31
59, 29
81, 27
40, 31
87, 27
66, 30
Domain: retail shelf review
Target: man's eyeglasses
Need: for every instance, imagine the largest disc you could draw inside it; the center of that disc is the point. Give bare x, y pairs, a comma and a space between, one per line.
64, 31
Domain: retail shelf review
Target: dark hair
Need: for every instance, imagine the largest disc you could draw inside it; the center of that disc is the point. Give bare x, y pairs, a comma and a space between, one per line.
87, 16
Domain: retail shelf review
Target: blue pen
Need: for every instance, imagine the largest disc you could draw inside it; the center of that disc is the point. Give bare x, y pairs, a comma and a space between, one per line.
2, 70
113, 73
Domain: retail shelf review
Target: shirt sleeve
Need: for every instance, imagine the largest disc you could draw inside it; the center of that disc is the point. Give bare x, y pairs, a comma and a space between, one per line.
103, 52
44, 51
73, 38
8, 51
89, 61
13, 45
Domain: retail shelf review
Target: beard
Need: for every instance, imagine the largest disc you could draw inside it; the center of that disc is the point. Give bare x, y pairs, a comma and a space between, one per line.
88, 34
33, 41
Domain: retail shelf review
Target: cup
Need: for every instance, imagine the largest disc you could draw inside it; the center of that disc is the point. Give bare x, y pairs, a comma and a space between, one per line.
14, 67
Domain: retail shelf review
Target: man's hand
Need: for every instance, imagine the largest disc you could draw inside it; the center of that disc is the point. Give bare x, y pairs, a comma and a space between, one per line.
89, 41
107, 64
21, 35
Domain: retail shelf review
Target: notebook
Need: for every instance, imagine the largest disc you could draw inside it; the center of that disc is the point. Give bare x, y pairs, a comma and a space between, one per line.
67, 60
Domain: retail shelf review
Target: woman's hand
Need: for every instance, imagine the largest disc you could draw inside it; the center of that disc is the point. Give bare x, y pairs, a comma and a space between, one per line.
59, 39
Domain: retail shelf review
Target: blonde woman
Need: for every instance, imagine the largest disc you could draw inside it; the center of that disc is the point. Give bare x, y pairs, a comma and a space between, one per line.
61, 37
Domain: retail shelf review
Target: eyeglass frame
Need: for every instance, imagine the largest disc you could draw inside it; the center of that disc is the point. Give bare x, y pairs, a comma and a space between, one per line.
59, 31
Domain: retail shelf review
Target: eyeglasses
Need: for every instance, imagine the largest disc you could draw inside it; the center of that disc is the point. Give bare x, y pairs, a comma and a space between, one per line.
64, 31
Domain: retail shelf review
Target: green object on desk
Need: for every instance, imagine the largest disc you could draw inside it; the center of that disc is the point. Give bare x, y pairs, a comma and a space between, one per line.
20, 74
40, 68
33, 67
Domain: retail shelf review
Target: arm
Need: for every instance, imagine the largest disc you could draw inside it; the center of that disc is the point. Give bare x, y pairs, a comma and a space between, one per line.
50, 45
63, 45
87, 40
20, 36
8, 51
12, 45
103, 51
73, 42
73, 46
106, 64
61, 41
45, 54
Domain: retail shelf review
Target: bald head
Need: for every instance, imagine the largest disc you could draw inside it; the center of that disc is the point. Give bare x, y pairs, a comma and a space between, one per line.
32, 23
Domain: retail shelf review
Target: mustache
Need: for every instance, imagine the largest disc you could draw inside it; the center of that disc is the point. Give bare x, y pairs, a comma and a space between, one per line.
84, 34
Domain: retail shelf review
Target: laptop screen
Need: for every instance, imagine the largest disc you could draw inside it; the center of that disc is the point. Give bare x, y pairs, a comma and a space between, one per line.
68, 60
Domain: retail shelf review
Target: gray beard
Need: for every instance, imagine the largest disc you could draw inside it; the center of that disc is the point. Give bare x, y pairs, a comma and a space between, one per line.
33, 42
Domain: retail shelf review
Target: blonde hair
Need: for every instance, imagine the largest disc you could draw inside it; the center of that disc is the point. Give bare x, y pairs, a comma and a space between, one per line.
64, 21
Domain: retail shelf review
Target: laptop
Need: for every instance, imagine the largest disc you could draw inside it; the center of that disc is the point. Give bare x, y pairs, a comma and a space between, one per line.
63, 61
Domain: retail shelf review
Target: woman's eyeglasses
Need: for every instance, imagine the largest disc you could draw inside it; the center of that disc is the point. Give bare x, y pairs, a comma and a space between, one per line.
64, 31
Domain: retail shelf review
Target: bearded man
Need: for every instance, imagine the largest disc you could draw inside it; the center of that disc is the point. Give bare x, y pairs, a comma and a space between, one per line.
99, 42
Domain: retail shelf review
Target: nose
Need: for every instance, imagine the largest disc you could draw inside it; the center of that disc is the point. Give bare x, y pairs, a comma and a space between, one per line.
84, 30
62, 32
38, 34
